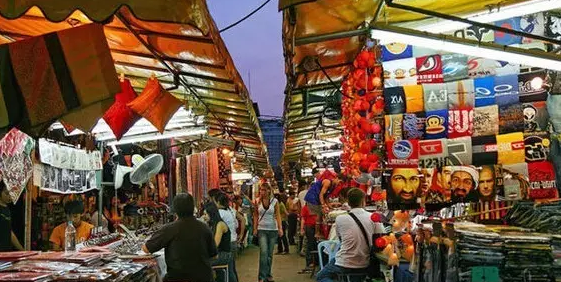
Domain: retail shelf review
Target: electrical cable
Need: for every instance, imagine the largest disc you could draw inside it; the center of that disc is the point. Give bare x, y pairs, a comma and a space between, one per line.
246, 17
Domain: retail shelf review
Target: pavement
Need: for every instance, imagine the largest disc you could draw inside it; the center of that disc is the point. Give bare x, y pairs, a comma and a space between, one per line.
285, 267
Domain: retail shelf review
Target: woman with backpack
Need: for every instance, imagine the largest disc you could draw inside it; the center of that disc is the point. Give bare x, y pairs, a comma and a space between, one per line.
267, 226
316, 198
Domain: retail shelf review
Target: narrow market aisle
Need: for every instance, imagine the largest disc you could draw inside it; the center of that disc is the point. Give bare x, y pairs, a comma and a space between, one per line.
285, 267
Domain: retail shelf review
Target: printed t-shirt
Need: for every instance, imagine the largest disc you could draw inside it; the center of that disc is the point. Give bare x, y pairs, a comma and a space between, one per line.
394, 98
435, 96
414, 101
484, 91
460, 151
536, 116
429, 69
542, 181
436, 124
536, 146
486, 121
511, 148
394, 127
511, 118
433, 153
454, 66
82, 233
460, 122
403, 153
506, 90
414, 125
484, 150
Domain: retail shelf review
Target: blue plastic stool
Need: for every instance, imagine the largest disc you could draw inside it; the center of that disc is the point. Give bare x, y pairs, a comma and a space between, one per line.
332, 248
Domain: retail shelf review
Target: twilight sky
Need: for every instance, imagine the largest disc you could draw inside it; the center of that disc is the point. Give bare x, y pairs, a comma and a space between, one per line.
256, 47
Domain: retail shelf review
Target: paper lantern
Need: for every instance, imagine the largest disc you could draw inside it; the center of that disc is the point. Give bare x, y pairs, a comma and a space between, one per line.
376, 128
380, 243
407, 239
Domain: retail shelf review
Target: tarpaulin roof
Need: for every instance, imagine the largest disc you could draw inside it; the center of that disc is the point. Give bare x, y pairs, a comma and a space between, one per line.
332, 32
181, 32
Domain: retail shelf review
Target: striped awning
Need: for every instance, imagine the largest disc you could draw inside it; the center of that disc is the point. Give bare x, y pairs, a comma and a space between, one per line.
182, 33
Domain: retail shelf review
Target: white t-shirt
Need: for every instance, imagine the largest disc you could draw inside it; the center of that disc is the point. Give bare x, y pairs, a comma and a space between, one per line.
229, 217
355, 251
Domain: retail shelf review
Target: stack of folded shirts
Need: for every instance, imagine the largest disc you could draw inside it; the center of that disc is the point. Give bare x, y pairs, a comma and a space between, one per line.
13, 256
556, 253
478, 248
5, 264
528, 257
24, 277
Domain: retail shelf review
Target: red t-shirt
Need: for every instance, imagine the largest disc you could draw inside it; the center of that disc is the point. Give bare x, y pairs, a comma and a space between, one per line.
309, 218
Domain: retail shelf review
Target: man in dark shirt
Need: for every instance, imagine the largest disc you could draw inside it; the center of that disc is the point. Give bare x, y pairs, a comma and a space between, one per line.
8, 240
189, 244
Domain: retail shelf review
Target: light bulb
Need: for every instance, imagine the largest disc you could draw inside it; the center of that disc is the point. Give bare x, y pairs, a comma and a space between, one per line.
537, 83
225, 151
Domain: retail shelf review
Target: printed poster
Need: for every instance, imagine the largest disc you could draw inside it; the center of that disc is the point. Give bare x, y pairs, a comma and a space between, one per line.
429, 69
489, 183
463, 183
502, 38
405, 188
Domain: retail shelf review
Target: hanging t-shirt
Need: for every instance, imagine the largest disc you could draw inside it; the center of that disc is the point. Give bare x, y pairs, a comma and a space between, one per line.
511, 118
414, 101
506, 90
436, 124
414, 125
482, 67
460, 122
395, 51
404, 188
552, 28
429, 69
503, 38
460, 151
461, 93
435, 96
536, 146
512, 187
400, 72
403, 153
535, 116
486, 121
394, 127
433, 153
394, 99
476, 33
511, 148
454, 66
484, 91
533, 24
531, 86
542, 181
484, 150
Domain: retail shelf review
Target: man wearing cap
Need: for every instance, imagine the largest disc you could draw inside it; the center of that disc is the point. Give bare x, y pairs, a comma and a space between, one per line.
189, 244
463, 182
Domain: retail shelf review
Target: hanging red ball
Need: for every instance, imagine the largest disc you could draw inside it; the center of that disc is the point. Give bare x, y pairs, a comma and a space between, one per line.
380, 243
376, 217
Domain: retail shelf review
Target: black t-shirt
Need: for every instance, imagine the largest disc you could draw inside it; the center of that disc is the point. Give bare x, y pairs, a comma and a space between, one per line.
5, 229
189, 246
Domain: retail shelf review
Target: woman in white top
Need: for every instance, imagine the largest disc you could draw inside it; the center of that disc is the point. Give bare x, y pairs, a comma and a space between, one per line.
267, 220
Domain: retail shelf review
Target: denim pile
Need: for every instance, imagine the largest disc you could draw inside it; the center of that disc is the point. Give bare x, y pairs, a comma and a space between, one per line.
478, 248
528, 257
544, 218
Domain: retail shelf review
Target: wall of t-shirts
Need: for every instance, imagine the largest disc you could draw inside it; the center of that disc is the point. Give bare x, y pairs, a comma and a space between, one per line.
472, 127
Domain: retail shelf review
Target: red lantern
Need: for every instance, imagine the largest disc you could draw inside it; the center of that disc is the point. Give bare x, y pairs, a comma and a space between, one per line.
406, 239
376, 217
380, 243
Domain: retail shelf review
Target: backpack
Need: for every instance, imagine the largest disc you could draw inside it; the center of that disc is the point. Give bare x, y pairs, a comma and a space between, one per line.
312, 197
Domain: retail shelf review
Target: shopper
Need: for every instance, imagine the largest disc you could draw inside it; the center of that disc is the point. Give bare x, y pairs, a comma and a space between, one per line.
304, 186
189, 244
354, 255
267, 221
73, 210
221, 238
229, 216
293, 215
319, 192
8, 240
282, 242
308, 229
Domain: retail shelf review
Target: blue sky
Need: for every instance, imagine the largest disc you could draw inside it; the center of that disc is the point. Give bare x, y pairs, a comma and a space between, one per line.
256, 47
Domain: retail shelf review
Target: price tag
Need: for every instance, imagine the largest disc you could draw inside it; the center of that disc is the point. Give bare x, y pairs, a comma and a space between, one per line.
485, 274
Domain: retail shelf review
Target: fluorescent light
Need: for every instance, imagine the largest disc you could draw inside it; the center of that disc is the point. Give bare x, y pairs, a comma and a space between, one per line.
330, 154
158, 136
502, 13
457, 45
241, 176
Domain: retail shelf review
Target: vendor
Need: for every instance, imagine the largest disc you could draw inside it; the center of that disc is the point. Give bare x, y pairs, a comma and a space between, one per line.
8, 240
74, 210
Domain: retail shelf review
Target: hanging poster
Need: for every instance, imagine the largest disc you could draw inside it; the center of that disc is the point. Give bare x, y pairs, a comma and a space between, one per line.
414, 125
436, 124
486, 121
503, 38
394, 99
483, 67
506, 90
484, 150
536, 146
460, 122
400, 72
433, 153
69, 158
414, 101
405, 188
64, 181
395, 51
513, 186
463, 183
542, 181
511, 118
531, 86
479, 34
511, 148
461, 94
434, 193
535, 116
490, 180
435, 96
484, 91
454, 66
403, 153
460, 151
394, 127
429, 69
